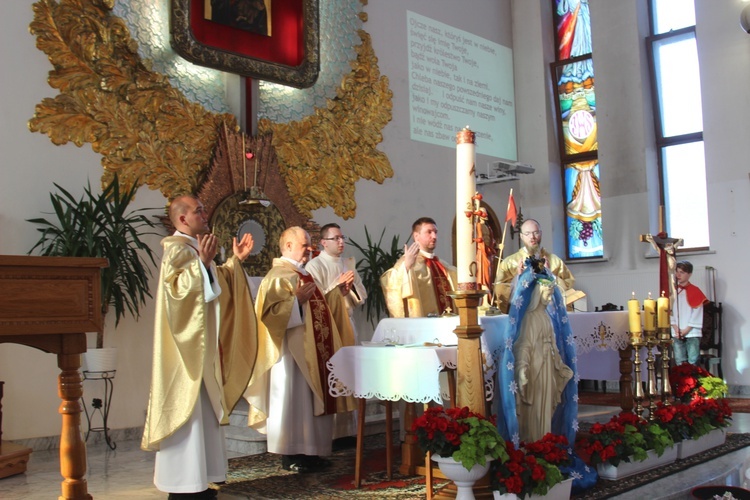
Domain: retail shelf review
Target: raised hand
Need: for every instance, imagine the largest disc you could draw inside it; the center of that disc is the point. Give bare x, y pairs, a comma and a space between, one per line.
244, 247
345, 281
304, 291
207, 246
410, 254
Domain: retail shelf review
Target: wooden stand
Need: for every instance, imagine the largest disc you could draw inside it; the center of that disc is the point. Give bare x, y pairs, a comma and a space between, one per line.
469, 373
49, 303
13, 457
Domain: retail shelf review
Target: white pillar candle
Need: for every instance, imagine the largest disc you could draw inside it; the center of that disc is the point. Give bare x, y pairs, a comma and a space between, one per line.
466, 248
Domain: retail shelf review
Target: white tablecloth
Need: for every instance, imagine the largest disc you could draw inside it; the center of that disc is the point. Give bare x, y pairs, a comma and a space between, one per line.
599, 336
390, 373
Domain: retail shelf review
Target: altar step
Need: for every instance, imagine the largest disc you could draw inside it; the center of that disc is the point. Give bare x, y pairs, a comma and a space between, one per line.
242, 440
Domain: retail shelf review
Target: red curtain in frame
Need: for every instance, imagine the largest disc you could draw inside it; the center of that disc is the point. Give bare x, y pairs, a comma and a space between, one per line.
285, 47
291, 56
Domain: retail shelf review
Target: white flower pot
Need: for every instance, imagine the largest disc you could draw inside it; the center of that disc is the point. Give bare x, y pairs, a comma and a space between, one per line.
625, 469
560, 491
463, 479
690, 447
100, 360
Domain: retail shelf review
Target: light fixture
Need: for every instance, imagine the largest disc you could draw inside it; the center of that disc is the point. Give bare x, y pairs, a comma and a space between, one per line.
745, 19
253, 196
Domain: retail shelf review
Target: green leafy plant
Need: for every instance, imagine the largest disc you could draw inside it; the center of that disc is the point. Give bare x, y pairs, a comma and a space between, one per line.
690, 382
97, 225
465, 436
371, 266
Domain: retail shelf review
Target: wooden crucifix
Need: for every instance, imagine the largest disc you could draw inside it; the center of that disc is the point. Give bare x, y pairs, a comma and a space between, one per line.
667, 248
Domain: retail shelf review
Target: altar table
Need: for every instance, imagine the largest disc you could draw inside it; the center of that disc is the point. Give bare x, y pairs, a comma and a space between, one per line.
599, 336
603, 351
389, 373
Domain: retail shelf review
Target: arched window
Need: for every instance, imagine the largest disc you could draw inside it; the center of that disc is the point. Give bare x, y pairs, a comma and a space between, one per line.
573, 74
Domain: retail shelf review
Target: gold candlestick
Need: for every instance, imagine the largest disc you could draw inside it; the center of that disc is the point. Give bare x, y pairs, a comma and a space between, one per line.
653, 392
638, 397
665, 340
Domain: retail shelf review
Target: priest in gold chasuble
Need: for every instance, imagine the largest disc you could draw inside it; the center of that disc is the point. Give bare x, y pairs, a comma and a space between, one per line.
418, 285
204, 352
297, 335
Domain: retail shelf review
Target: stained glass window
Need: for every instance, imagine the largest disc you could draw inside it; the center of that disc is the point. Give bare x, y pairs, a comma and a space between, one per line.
575, 102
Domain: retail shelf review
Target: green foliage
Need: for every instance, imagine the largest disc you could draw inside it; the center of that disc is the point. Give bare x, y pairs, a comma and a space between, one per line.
371, 266
657, 438
714, 386
482, 439
98, 226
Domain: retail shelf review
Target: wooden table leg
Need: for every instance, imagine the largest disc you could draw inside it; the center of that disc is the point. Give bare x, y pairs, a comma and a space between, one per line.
411, 455
360, 442
72, 446
389, 438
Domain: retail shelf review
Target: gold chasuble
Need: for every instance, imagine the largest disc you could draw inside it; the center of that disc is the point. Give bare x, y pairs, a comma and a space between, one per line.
420, 291
508, 269
193, 343
312, 349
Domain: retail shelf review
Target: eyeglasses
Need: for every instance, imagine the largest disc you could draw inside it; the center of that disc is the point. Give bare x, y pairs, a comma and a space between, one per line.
335, 238
529, 233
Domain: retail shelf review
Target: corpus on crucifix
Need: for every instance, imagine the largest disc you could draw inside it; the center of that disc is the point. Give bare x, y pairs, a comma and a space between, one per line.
667, 248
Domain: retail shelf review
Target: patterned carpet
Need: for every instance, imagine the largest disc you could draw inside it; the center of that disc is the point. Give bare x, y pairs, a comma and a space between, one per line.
261, 476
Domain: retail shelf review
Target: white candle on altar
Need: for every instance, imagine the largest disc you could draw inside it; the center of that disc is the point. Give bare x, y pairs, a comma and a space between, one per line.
466, 248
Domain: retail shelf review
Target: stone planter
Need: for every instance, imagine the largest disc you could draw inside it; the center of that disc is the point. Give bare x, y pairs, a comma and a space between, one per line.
690, 447
560, 491
625, 469
463, 479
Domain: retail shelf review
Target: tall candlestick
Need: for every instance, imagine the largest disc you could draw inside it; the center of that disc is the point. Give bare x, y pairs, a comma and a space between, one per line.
466, 248
649, 314
634, 315
662, 311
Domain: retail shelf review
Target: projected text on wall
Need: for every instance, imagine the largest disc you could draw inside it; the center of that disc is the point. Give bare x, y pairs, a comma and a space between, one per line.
457, 79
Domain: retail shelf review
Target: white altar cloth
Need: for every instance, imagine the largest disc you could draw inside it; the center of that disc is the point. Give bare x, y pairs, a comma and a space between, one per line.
385, 372
598, 335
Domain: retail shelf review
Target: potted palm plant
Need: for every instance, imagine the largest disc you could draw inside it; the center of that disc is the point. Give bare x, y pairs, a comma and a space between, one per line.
375, 261
99, 225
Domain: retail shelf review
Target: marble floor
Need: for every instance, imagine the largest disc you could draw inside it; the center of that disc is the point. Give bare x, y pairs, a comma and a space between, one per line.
127, 472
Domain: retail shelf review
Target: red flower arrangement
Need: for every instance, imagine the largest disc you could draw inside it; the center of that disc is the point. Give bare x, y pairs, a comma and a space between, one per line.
625, 437
693, 420
690, 382
459, 433
532, 469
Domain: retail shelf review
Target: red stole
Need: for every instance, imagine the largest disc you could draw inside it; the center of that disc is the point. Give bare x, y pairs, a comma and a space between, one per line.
323, 335
440, 283
695, 296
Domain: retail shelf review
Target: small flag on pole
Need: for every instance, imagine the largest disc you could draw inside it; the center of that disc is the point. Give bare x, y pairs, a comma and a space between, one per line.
512, 214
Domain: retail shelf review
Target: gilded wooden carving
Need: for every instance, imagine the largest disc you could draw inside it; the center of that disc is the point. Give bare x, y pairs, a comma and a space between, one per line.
149, 133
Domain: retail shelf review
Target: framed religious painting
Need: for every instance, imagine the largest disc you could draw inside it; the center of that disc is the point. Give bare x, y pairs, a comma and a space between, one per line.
270, 40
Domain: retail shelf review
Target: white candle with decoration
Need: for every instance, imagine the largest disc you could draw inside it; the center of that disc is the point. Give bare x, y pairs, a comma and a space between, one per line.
466, 248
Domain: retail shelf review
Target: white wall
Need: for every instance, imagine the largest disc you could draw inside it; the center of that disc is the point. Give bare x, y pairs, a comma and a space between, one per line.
423, 180
30, 166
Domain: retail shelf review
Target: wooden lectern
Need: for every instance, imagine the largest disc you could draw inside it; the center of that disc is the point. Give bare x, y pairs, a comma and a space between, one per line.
50, 303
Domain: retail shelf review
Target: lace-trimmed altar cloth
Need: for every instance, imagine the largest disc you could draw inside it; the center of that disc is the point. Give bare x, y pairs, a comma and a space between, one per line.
389, 372
598, 337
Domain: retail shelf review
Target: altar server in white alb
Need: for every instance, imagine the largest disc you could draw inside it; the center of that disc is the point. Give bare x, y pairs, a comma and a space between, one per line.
331, 269
687, 316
